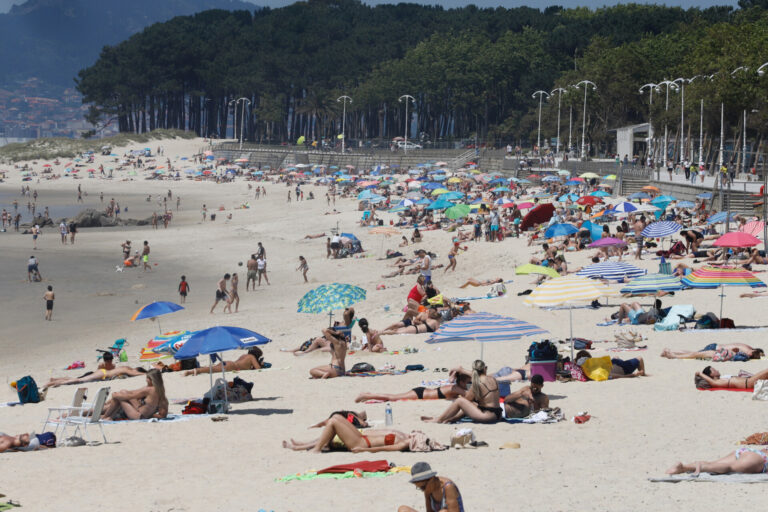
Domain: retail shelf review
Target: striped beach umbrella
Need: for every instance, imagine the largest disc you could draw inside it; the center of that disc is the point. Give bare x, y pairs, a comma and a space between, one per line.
716, 277
483, 327
652, 283
567, 290
721, 217
615, 271
754, 228
624, 207
661, 229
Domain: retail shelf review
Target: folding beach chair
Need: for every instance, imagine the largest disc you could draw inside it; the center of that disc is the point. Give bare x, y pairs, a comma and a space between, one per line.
117, 348
76, 409
84, 421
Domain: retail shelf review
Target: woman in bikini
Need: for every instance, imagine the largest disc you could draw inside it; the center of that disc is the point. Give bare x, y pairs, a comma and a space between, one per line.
475, 282
440, 493
100, 374
147, 402
726, 352
481, 403
744, 460
371, 337
251, 360
338, 356
430, 324
415, 296
447, 392
711, 378
351, 438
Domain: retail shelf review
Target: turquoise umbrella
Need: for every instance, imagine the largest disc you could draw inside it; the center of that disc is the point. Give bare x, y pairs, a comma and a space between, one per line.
328, 297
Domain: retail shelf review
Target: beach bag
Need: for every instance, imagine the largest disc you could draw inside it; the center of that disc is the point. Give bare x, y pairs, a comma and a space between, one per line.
419, 442
497, 290
761, 390
727, 323
26, 387
708, 321
362, 368
575, 370
542, 351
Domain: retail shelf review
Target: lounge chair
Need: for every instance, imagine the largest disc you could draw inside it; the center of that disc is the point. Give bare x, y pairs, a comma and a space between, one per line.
76, 408
84, 421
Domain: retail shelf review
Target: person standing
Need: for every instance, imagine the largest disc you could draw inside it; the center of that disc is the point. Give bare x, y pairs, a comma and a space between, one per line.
145, 256
251, 276
261, 269
35, 234
184, 289
425, 265
221, 291
261, 252
63, 232
48, 296
204, 211
638, 227
303, 268
33, 271
72, 232
440, 493
328, 248
233, 295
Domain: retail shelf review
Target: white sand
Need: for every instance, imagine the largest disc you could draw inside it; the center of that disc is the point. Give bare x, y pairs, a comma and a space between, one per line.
639, 428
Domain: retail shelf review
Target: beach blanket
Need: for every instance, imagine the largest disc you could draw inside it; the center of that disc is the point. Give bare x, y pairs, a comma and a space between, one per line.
559, 308
169, 419
314, 475
732, 478
634, 349
376, 373
607, 323
725, 389
478, 297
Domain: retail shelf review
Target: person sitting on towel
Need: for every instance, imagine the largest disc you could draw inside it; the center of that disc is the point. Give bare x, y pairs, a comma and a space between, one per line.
711, 378
526, 400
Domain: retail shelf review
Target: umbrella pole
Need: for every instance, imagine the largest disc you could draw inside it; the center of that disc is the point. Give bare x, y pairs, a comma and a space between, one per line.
571, 320
226, 387
210, 372
722, 296
158, 325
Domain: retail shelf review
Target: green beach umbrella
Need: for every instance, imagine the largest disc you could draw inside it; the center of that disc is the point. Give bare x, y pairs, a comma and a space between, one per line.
329, 297
457, 212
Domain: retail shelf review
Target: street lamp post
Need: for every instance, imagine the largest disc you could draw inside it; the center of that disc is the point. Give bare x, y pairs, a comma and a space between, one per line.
344, 121
761, 72
541, 95
570, 128
559, 91
651, 88
587, 84
242, 115
669, 84
701, 135
408, 98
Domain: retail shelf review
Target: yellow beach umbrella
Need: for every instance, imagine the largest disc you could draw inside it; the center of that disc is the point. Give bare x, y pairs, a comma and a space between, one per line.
439, 191
610, 177
529, 268
453, 180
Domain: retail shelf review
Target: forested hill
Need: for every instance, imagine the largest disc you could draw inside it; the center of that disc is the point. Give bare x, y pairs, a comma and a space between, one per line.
53, 39
469, 69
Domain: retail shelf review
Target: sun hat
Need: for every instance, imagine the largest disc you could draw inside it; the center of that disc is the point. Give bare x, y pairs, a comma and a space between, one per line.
421, 471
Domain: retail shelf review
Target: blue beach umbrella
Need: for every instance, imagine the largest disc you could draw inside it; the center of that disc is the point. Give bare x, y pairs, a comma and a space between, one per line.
155, 309
440, 204
611, 270
661, 229
560, 230
638, 195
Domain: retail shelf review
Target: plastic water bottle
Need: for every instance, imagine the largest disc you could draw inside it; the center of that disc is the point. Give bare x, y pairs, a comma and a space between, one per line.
388, 415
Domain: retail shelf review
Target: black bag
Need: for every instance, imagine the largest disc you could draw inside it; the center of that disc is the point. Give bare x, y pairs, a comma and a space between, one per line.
542, 351
362, 368
189, 364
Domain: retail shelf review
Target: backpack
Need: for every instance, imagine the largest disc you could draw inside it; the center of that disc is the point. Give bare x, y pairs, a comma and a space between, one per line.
542, 351
362, 368
27, 390
497, 290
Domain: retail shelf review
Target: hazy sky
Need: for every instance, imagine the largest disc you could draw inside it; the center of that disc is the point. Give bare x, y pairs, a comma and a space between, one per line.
5, 5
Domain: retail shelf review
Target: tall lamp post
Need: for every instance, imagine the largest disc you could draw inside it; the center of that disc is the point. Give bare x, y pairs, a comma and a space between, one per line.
668, 84
408, 99
683, 81
541, 95
559, 91
744, 127
761, 72
344, 99
242, 115
651, 88
586, 84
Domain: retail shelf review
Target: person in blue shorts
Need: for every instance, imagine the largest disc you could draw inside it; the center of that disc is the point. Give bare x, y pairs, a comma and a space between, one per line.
622, 368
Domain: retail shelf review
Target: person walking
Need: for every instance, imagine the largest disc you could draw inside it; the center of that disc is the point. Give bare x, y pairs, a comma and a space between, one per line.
184, 289
145, 256
303, 267
48, 297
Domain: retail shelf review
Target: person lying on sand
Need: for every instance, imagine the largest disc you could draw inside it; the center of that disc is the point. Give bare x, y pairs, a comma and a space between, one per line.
752, 295
251, 360
620, 368
481, 403
318, 235
101, 374
711, 378
526, 400
350, 438
23, 442
430, 324
338, 354
447, 392
635, 314
358, 419
476, 282
147, 402
744, 460
724, 352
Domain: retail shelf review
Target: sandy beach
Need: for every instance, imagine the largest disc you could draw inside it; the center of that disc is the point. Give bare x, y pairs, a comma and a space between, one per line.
639, 427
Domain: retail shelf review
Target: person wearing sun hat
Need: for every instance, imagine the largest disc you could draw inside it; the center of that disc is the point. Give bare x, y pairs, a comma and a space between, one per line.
440, 493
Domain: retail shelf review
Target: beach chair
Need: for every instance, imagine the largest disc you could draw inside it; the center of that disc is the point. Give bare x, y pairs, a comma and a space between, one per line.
116, 349
75, 408
82, 422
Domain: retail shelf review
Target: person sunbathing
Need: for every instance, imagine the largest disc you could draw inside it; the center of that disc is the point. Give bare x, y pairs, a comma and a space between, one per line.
526, 400
635, 314
627, 368
338, 343
447, 392
100, 374
371, 337
358, 419
350, 438
476, 282
723, 352
749, 460
711, 378
430, 324
318, 235
147, 402
754, 258
321, 342
251, 360
481, 403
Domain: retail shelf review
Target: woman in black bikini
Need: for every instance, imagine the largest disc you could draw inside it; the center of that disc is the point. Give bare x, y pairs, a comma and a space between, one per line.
481, 403
430, 324
447, 392
711, 378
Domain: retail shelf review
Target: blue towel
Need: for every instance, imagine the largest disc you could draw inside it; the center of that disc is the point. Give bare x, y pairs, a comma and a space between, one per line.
467, 419
607, 323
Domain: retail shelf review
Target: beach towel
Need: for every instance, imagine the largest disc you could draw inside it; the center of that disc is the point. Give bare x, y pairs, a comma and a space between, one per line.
732, 478
10, 404
467, 419
376, 373
725, 389
368, 466
607, 323
676, 314
464, 299
312, 475
633, 349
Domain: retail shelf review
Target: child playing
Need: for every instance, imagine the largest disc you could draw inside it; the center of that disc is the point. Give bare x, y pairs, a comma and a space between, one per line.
303, 267
183, 289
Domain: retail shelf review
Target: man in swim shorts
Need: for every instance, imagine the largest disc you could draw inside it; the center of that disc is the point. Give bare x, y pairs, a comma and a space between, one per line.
221, 291
252, 265
145, 256
48, 297
526, 400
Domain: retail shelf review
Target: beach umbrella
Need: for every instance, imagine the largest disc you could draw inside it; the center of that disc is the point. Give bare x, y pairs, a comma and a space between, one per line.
551, 178
754, 228
573, 182
453, 180
595, 231
685, 204
588, 200
651, 188
589, 175
432, 186
652, 283
562, 229
423, 201
457, 212
440, 204
541, 213
501, 189
615, 271
566, 290
563, 172
219, 339
566, 197
365, 195
624, 207
530, 268
663, 199
328, 297
154, 310
661, 229
452, 196
720, 217
638, 195
610, 177
717, 277
704, 195
647, 207
484, 327
599, 193
440, 191
608, 241
525, 205
736, 239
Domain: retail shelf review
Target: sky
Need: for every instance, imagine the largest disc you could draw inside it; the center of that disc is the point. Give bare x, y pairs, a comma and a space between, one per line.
5, 5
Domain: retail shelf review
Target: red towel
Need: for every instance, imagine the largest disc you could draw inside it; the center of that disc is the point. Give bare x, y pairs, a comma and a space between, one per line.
368, 466
726, 389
